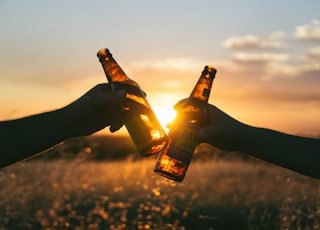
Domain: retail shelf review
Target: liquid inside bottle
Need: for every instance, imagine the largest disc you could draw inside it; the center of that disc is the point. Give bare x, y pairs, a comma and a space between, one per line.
174, 160
140, 120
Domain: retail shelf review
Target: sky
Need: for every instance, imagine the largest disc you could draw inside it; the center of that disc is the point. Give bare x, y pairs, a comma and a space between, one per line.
267, 54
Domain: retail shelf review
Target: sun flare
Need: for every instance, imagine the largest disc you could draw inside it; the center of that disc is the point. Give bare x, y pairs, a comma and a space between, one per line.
165, 114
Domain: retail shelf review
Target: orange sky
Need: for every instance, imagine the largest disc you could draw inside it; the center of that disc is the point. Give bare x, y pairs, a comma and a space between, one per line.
268, 67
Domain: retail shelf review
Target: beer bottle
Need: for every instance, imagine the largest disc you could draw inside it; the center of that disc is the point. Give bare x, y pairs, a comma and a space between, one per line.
174, 160
140, 121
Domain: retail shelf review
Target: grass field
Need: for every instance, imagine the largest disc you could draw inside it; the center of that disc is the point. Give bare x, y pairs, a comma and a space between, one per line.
79, 194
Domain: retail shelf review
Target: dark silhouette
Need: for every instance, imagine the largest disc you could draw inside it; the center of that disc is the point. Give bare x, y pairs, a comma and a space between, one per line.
297, 153
25, 137
99, 107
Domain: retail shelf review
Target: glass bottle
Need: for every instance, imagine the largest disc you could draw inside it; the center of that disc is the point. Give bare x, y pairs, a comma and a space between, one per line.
174, 160
140, 121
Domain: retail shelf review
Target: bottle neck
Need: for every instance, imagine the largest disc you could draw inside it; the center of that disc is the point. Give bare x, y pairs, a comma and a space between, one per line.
202, 89
113, 71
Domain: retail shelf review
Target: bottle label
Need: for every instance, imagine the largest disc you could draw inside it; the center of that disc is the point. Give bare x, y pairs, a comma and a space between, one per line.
183, 144
206, 93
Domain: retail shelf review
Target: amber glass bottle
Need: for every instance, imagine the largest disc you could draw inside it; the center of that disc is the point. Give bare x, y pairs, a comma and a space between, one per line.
140, 121
174, 160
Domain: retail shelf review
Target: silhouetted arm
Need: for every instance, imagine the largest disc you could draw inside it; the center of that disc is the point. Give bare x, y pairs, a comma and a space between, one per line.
300, 154
25, 137
22, 138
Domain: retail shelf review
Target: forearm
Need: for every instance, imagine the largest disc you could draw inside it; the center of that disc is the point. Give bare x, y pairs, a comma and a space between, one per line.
25, 137
300, 154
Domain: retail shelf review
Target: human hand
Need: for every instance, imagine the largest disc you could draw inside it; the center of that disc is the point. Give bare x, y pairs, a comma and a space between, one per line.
222, 130
95, 110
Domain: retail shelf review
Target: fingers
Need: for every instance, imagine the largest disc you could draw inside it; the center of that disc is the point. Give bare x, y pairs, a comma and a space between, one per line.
205, 134
116, 97
108, 100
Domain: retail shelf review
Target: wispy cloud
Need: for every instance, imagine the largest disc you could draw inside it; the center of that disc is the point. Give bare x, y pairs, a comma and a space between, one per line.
313, 54
259, 57
183, 64
309, 32
273, 41
172, 73
272, 64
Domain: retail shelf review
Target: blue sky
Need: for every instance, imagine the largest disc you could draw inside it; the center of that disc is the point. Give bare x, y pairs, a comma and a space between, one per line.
267, 54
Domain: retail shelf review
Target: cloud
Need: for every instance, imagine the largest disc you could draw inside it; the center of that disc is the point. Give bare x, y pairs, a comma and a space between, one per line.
183, 64
281, 70
261, 58
313, 54
174, 74
309, 32
256, 42
311, 69
83, 82
166, 72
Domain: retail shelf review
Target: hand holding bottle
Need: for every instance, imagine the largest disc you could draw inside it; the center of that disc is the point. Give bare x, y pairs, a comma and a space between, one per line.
221, 130
95, 110
224, 131
140, 121
297, 153
192, 114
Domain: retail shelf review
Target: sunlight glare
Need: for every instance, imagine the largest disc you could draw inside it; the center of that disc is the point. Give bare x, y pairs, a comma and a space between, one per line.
165, 115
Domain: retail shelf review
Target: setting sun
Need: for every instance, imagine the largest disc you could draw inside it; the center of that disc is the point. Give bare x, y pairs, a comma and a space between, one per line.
165, 114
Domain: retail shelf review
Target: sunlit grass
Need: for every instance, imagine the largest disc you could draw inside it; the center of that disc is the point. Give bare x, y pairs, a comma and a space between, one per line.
128, 195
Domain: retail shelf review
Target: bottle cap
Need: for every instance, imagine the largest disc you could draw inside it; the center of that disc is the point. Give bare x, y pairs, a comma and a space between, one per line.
209, 71
103, 52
